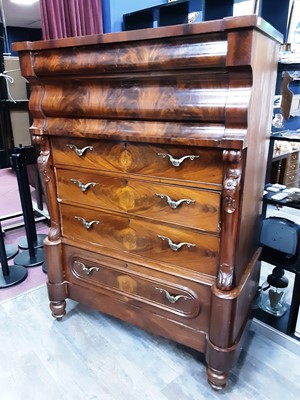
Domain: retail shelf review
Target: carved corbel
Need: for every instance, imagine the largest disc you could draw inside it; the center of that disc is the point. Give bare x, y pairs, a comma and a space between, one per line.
47, 174
230, 204
225, 277
43, 160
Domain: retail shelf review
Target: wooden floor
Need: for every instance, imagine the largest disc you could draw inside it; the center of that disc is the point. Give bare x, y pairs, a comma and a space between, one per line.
89, 356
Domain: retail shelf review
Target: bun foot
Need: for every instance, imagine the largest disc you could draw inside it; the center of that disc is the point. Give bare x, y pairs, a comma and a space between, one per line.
216, 379
58, 309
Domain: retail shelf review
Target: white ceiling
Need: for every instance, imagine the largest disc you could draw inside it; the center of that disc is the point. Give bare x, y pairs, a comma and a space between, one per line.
21, 15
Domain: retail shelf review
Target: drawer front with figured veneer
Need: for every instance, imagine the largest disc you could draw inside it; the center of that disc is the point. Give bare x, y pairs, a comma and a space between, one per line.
292, 167
171, 296
192, 164
175, 204
292, 179
182, 247
293, 157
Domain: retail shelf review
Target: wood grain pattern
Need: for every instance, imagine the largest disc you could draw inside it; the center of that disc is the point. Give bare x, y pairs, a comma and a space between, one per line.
114, 85
136, 290
135, 158
187, 133
142, 237
201, 210
207, 50
189, 97
141, 287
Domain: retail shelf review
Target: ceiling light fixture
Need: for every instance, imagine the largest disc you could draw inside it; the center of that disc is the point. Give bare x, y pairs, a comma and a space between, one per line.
24, 2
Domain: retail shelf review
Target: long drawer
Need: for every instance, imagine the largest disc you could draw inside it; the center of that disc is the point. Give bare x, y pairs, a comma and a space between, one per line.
169, 203
170, 162
182, 247
176, 298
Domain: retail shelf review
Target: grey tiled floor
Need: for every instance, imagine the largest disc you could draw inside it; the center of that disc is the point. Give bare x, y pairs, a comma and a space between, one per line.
89, 356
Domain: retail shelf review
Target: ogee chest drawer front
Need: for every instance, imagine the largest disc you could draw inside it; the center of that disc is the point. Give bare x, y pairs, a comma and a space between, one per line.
205, 51
166, 294
173, 162
175, 204
182, 247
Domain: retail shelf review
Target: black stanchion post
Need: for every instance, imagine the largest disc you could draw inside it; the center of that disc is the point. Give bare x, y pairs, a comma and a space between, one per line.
29, 157
39, 190
33, 256
13, 274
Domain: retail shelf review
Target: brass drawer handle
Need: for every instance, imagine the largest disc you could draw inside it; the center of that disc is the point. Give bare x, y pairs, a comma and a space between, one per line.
83, 187
172, 299
177, 161
174, 246
85, 223
172, 203
79, 152
85, 269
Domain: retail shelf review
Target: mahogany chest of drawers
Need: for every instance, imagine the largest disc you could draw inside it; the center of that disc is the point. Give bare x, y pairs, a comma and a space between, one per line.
153, 150
291, 174
285, 168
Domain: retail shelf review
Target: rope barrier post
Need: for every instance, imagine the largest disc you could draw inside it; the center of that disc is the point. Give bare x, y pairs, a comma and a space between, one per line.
33, 256
11, 274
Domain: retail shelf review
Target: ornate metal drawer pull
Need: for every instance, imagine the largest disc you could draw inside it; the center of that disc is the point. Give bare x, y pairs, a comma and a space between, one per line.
83, 187
170, 298
85, 269
172, 203
177, 161
174, 246
85, 223
80, 152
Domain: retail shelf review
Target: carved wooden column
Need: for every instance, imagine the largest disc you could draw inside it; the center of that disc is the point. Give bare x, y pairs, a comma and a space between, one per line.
230, 207
57, 288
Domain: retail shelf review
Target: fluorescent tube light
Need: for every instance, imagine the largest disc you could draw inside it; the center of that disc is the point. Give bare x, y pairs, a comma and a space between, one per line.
24, 2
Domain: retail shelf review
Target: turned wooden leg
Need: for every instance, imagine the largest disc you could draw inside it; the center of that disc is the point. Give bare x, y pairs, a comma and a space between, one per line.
216, 379
58, 309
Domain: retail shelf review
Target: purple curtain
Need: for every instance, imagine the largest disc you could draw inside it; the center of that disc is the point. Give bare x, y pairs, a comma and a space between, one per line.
68, 18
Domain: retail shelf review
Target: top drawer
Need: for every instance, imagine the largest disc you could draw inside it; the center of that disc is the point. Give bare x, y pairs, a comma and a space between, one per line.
171, 162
